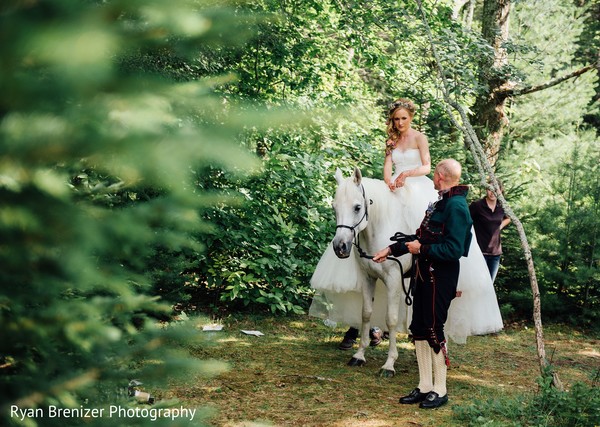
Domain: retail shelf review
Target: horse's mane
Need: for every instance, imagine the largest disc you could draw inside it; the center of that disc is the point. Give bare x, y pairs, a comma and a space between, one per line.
376, 188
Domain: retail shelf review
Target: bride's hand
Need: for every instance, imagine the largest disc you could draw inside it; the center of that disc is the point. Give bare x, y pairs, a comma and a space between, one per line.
399, 182
391, 186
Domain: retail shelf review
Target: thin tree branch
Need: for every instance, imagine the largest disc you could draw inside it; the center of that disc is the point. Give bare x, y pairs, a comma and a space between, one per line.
554, 82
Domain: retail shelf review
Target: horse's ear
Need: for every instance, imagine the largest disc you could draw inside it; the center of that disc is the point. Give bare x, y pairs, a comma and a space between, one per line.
357, 175
338, 176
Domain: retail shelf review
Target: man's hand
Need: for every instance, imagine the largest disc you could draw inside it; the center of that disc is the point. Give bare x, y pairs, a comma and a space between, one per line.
414, 247
382, 255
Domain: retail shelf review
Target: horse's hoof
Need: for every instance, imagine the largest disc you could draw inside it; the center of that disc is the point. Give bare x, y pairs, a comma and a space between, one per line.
386, 373
356, 362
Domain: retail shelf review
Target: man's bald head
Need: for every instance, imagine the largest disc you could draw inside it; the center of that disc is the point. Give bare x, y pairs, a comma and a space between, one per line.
450, 171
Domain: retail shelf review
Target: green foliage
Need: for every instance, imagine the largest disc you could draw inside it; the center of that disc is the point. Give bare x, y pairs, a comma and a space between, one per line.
568, 234
96, 184
341, 65
275, 237
563, 106
329, 53
271, 238
562, 219
579, 407
120, 164
315, 56
588, 46
549, 161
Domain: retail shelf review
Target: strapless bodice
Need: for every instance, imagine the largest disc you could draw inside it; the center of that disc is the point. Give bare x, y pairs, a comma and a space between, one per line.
406, 160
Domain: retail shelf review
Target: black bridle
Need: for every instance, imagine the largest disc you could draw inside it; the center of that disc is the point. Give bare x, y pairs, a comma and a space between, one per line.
363, 254
365, 215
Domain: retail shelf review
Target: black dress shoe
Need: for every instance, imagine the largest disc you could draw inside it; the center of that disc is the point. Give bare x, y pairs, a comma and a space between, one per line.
347, 344
414, 396
433, 400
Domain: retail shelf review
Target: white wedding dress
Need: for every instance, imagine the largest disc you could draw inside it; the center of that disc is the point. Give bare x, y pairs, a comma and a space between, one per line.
338, 297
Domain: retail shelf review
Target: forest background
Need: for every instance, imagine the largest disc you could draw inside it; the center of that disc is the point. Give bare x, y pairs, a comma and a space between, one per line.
160, 157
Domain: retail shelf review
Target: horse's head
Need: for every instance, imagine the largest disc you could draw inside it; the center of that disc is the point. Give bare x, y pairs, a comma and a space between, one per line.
351, 211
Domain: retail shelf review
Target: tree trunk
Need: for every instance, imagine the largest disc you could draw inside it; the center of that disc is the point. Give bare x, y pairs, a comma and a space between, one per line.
470, 13
467, 9
458, 7
490, 119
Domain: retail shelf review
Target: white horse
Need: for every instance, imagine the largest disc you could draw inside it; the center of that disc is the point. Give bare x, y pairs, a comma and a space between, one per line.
367, 215
366, 219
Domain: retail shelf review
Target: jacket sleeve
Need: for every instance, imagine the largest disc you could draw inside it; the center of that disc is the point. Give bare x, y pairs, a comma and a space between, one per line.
399, 248
457, 231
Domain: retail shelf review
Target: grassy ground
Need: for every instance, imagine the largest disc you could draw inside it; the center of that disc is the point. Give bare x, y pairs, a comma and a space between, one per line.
295, 376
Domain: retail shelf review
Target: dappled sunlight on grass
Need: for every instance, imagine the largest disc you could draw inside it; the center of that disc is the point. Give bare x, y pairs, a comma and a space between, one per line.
405, 345
298, 325
361, 419
589, 352
491, 382
295, 375
293, 338
506, 338
234, 340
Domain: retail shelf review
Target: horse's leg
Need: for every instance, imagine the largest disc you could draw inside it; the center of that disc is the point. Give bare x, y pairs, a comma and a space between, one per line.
368, 291
394, 294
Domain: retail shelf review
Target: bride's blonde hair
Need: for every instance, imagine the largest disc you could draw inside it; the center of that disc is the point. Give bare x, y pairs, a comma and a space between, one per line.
392, 132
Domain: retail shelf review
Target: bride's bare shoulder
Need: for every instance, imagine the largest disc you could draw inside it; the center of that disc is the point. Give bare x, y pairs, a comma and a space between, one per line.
419, 137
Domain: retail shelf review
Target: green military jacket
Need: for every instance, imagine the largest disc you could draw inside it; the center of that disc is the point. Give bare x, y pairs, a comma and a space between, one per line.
445, 233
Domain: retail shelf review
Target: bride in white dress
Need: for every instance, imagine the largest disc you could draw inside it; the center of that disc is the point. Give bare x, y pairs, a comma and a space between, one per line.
407, 162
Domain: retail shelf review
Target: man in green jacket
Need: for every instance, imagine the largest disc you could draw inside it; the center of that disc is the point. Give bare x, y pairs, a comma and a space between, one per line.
442, 239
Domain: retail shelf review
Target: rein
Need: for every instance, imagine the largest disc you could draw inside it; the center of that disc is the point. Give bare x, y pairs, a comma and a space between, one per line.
407, 292
363, 254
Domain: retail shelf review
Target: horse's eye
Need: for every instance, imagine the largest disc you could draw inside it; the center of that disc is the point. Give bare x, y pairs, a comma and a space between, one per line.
357, 208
